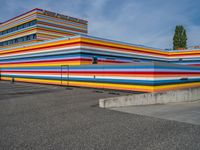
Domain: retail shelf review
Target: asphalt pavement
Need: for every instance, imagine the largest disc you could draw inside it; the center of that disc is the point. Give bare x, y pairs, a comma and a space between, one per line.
42, 117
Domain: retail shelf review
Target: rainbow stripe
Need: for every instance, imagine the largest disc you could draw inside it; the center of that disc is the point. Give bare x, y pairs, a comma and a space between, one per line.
123, 66
146, 77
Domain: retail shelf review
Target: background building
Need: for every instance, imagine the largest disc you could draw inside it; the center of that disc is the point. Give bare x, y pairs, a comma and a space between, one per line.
39, 25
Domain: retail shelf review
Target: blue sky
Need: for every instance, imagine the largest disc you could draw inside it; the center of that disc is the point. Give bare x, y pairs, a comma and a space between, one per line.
146, 22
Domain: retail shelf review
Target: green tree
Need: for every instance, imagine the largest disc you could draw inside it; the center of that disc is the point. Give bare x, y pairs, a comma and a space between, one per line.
180, 38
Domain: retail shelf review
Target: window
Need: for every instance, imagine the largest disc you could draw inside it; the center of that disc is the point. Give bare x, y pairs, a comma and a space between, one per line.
18, 40
33, 22
34, 36
28, 37
24, 39
94, 60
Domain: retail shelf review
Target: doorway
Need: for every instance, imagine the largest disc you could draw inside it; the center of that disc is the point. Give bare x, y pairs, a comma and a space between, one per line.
64, 75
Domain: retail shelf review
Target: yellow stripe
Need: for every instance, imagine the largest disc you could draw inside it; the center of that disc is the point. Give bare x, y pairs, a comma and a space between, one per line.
43, 64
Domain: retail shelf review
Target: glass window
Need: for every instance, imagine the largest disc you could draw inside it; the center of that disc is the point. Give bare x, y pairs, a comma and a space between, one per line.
18, 40
33, 22
29, 24
34, 36
24, 38
94, 60
28, 37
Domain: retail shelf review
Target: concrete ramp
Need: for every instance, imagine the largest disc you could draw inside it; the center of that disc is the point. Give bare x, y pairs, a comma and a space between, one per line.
184, 95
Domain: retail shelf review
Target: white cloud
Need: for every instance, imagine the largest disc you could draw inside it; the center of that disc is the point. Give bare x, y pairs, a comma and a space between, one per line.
150, 23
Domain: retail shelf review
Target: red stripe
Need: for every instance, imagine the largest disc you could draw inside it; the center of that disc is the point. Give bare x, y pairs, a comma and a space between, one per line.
193, 54
193, 65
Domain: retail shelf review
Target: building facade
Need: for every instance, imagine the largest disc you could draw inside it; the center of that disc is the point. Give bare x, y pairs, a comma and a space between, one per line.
39, 25
83, 60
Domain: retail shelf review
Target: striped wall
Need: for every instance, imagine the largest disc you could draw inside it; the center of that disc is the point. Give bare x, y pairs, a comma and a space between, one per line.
145, 77
122, 66
87, 47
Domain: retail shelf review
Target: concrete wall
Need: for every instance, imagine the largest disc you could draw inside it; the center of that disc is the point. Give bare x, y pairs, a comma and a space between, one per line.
186, 95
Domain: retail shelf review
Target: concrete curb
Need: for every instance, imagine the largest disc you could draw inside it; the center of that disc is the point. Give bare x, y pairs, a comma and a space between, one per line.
185, 95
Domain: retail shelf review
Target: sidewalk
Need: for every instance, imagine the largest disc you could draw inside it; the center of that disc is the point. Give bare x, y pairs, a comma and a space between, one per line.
188, 112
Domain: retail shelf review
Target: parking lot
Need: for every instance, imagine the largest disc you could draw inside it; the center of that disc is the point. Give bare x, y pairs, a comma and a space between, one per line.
34, 116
